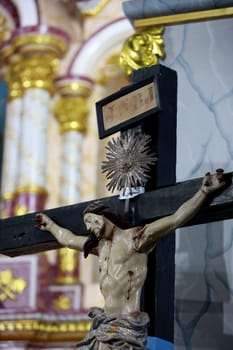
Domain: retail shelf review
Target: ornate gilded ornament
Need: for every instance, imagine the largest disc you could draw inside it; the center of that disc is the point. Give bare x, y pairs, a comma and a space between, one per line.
36, 329
128, 161
62, 303
10, 286
142, 49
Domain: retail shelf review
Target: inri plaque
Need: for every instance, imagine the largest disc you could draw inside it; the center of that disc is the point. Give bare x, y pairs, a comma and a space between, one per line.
126, 107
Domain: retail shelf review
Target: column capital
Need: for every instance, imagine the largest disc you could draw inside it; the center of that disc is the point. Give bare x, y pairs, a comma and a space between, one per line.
72, 106
40, 49
74, 85
11, 62
34, 39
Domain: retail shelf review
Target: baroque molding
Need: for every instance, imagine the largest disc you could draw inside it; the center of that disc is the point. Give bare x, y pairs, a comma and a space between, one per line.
142, 49
181, 18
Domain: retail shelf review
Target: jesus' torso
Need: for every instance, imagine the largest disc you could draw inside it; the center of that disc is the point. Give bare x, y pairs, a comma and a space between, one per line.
122, 272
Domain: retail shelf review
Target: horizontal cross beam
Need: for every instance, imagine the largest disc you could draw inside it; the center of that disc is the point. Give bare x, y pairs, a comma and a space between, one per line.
18, 235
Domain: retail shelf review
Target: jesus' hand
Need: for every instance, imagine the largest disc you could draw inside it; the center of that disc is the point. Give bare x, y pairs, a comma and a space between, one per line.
44, 223
213, 182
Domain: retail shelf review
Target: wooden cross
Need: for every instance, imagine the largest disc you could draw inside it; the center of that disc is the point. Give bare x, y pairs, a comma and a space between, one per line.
18, 235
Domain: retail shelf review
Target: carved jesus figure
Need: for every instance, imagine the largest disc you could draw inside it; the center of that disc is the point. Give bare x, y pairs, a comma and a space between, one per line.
122, 252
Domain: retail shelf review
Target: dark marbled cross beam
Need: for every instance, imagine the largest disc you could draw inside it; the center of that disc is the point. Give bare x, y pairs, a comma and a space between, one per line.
18, 235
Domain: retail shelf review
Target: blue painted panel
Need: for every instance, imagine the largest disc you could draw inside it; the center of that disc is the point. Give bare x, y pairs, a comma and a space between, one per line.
154, 343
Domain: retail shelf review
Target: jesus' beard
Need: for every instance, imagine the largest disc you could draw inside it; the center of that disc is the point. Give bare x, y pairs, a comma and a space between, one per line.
92, 241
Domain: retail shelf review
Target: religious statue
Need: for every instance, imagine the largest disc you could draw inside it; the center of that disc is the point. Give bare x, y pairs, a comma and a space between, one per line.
122, 251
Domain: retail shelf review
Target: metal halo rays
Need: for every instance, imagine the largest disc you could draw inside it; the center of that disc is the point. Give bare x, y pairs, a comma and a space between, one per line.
128, 161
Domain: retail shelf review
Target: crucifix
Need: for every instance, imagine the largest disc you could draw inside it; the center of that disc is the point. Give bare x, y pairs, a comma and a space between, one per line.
161, 198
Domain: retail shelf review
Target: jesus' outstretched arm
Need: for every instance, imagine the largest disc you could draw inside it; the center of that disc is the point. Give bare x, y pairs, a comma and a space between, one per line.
152, 232
64, 236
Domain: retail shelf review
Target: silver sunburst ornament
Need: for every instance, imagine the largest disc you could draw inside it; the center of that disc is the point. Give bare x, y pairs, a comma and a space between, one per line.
128, 161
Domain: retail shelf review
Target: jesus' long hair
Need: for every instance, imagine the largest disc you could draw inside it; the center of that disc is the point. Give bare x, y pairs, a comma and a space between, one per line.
103, 209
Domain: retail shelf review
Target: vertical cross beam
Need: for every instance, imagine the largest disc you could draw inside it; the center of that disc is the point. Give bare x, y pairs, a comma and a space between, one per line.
158, 294
150, 104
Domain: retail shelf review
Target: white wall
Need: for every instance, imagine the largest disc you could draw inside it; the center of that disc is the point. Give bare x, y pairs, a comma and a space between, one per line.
202, 55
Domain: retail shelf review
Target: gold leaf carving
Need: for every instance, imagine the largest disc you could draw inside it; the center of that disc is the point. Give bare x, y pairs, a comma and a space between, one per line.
9, 286
62, 303
142, 49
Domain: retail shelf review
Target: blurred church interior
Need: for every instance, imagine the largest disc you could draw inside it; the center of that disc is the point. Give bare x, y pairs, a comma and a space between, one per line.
57, 59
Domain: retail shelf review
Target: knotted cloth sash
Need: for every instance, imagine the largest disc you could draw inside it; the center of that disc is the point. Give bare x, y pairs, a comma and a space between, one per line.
117, 331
